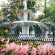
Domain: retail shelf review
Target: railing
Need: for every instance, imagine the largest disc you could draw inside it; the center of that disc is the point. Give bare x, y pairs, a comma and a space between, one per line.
42, 38
12, 36
31, 35
36, 35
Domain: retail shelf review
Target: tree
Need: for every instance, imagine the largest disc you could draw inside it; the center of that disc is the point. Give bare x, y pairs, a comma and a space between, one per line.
49, 14
50, 10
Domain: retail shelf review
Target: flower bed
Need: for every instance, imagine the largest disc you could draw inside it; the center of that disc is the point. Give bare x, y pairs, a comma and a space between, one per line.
13, 48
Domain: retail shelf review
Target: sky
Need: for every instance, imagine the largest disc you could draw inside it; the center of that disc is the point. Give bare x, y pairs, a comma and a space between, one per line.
3, 1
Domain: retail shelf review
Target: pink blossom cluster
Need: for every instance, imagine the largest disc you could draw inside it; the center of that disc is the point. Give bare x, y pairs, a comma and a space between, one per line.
16, 49
46, 49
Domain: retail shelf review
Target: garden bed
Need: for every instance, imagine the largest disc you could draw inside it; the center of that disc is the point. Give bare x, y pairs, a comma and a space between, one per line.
15, 47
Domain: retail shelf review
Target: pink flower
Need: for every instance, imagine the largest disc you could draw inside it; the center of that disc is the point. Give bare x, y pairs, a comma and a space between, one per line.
11, 46
53, 51
24, 53
41, 49
50, 53
3, 49
8, 47
33, 51
15, 51
25, 48
2, 39
2, 54
7, 41
22, 50
48, 47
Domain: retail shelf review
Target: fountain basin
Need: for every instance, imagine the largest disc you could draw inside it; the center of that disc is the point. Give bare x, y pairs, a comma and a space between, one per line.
26, 23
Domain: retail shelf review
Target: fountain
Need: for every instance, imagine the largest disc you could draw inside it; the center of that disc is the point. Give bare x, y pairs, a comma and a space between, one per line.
25, 23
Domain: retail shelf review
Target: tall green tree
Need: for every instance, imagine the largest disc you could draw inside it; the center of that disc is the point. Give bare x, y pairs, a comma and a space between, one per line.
50, 10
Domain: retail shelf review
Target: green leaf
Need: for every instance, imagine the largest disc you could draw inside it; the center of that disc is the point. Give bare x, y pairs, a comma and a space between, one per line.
4, 46
2, 52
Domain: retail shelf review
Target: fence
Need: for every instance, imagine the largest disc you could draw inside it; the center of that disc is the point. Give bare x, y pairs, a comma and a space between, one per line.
42, 38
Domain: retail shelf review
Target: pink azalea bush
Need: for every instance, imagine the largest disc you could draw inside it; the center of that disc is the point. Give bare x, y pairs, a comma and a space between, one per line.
16, 49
